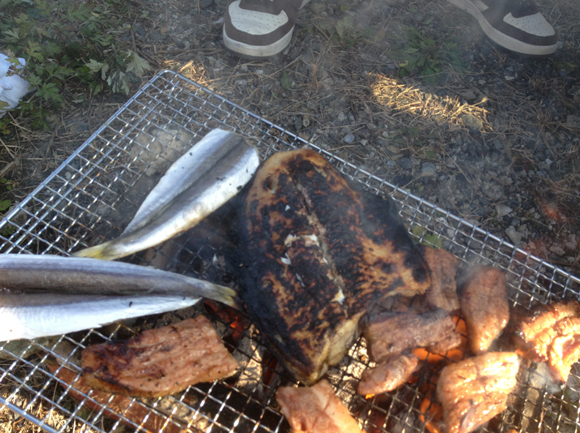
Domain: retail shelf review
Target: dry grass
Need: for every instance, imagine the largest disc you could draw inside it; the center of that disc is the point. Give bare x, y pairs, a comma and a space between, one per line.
424, 107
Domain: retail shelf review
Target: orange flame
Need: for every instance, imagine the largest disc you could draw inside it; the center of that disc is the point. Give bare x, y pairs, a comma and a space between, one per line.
434, 411
430, 412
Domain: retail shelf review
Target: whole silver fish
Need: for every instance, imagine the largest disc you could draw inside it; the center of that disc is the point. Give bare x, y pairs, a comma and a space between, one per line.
202, 180
35, 315
79, 275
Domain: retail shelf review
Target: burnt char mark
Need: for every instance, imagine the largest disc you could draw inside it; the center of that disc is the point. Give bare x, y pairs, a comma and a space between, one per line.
387, 267
335, 207
382, 223
96, 358
378, 209
353, 221
253, 207
421, 272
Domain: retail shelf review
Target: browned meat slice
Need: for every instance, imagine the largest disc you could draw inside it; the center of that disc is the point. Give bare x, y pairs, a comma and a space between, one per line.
475, 390
443, 290
160, 361
388, 375
317, 255
389, 334
535, 333
315, 409
485, 307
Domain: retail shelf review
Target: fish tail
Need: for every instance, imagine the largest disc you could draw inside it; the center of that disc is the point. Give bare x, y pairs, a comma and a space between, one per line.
105, 251
222, 294
230, 301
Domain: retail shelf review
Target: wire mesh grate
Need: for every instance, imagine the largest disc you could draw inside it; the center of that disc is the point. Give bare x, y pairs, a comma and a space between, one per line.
87, 200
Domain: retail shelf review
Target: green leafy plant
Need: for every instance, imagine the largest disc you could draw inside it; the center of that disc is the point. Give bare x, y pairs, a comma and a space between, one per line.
285, 81
7, 186
68, 45
7, 183
8, 230
424, 56
5, 204
569, 67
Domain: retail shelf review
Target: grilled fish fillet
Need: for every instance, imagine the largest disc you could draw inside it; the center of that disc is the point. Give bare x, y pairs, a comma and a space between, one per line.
159, 362
319, 254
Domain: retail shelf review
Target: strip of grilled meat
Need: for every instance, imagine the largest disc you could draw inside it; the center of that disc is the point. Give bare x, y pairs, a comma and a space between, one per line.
485, 306
388, 375
389, 334
475, 390
318, 255
443, 290
315, 409
160, 361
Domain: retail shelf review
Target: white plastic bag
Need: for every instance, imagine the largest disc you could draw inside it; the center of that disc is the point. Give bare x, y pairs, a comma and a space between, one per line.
12, 86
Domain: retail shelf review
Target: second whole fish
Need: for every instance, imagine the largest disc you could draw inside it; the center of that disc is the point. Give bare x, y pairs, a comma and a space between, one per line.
80, 275
202, 180
34, 315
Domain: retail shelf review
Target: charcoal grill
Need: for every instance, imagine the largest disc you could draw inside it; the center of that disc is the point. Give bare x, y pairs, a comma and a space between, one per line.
87, 200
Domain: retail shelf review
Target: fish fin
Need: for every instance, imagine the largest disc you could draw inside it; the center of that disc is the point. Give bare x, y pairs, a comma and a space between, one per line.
102, 252
222, 294
231, 301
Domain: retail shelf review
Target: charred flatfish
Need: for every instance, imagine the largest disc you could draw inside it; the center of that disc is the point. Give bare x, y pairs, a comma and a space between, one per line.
318, 255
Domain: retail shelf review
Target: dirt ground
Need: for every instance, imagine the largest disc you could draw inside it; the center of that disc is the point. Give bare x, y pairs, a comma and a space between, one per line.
488, 135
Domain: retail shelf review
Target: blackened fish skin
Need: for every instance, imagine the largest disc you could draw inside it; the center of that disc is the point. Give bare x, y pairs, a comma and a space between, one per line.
319, 254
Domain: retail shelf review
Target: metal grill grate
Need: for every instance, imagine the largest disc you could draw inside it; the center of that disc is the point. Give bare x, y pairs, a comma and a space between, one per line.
88, 199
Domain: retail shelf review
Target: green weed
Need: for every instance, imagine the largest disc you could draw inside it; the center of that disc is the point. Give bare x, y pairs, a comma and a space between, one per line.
68, 46
6, 185
423, 56
285, 81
